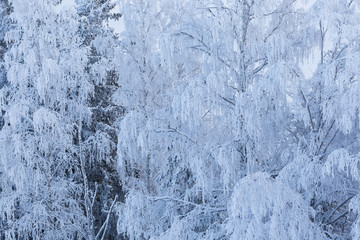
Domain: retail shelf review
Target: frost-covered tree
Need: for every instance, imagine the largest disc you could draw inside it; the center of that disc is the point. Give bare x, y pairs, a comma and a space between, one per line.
5, 8
142, 90
100, 136
269, 210
326, 115
199, 121
239, 103
225, 119
145, 163
5, 26
45, 106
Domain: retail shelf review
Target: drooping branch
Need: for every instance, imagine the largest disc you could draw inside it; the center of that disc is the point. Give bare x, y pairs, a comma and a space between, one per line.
202, 206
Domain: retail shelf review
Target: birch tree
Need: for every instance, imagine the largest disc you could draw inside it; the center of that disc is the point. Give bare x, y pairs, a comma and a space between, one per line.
40, 196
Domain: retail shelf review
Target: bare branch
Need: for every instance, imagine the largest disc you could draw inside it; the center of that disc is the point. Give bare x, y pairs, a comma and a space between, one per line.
171, 129
327, 133
105, 224
309, 111
351, 1
293, 134
322, 39
332, 139
206, 113
258, 69
275, 28
341, 216
337, 207
93, 199
227, 100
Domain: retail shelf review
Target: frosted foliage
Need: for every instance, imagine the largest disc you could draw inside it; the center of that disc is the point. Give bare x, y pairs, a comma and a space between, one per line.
160, 218
199, 121
354, 205
263, 208
130, 156
343, 91
341, 165
37, 214
301, 174
207, 119
150, 224
48, 92
100, 146
341, 161
17, 114
45, 121
227, 112
43, 56
340, 63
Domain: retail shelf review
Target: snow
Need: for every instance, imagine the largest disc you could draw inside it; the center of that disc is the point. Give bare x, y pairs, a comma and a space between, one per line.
221, 119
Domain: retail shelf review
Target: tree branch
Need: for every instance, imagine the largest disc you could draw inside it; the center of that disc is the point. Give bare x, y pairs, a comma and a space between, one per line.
337, 207
171, 129
105, 224
186, 202
227, 100
309, 111
332, 139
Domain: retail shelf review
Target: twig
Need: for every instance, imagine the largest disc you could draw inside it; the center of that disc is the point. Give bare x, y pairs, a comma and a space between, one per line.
327, 133
227, 100
258, 69
308, 108
275, 28
342, 215
93, 200
206, 113
294, 134
171, 129
105, 224
332, 139
338, 206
